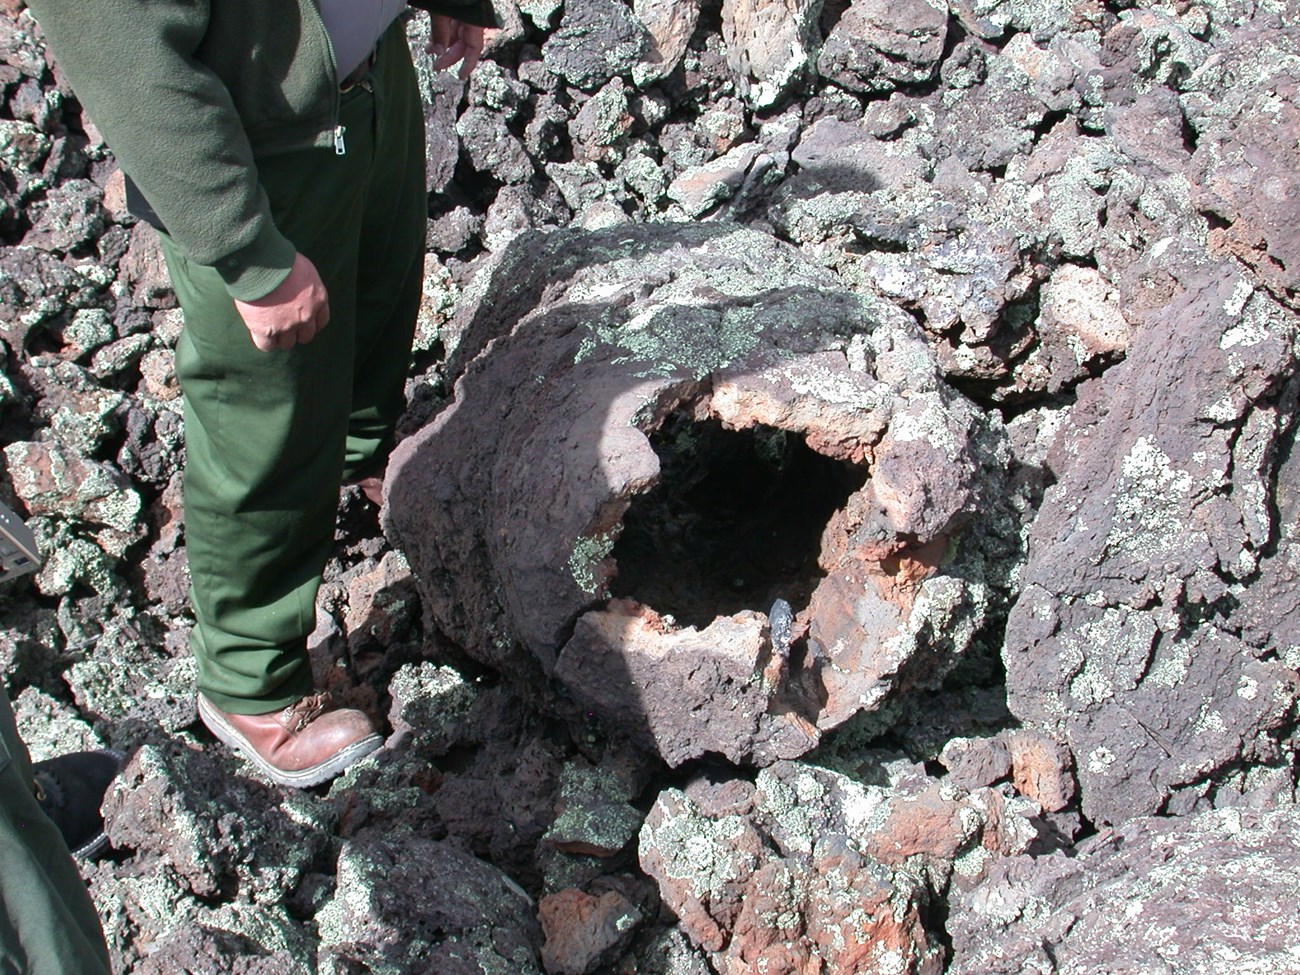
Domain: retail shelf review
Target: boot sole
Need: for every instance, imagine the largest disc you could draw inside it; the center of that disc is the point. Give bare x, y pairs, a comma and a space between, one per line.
302, 778
90, 849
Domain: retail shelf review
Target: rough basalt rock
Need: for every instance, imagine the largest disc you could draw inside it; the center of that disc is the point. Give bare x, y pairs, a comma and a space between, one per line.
1156, 895
974, 763
510, 769
51, 727
203, 950
175, 807
670, 24
602, 337
1254, 141
809, 870
441, 97
36, 287
770, 45
699, 189
405, 904
683, 693
52, 479
69, 218
878, 45
1042, 769
184, 830
584, 930
1017, 197
143, 269
597, 40
495, 100
1128, 642
593, 815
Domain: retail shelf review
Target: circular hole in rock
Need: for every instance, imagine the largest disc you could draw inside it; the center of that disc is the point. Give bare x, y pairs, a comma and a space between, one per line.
734, 522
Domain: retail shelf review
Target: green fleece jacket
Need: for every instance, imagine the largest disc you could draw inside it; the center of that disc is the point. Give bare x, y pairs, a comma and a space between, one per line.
189, 94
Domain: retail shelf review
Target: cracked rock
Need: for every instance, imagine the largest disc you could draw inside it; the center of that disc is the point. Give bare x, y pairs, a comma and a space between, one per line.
1156, 895
658, 328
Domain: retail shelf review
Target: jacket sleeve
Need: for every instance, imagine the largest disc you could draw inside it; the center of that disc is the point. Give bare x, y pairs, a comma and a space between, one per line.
173, 128
477, 12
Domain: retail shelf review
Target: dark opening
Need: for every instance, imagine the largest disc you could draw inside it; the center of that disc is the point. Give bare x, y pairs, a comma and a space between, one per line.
734, 522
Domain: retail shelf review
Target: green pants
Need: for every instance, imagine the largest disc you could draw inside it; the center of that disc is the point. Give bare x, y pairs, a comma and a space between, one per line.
48, 925
270, 435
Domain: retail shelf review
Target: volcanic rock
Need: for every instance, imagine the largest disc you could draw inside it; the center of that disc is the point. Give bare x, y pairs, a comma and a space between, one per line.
961, 436
877, 46
770, 45
597, 41
1156, 895
809, 870
583, 931
670, 24
639, 325
404, 903
1136, 657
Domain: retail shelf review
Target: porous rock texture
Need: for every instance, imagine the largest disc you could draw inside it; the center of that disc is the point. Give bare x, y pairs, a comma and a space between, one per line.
810, 870
1138, 654
845, 520
509, 507
1200, 893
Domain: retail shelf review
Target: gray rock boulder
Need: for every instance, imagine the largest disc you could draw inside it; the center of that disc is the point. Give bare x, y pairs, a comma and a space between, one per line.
809, 870
879, 45
510, 507
404, 904
597, 41
36, 287
1253, 134
1154, 896
670, 24
205, 861
1129, 641
771, 45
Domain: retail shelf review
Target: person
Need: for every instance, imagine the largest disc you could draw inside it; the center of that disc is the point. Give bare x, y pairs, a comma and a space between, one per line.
48, 924
278, 147
49, 812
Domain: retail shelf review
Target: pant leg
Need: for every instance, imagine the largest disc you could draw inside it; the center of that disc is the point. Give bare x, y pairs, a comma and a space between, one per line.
390, 271
266, 431
48, 924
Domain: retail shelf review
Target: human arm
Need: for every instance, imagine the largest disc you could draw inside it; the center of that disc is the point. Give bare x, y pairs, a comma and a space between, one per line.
173, 127
476, 12
452, 41
292, 313
456, 31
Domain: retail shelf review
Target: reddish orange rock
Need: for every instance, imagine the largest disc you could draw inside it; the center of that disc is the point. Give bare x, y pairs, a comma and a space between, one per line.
582, 930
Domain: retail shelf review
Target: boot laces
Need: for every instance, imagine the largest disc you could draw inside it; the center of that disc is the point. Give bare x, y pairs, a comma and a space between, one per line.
308, 709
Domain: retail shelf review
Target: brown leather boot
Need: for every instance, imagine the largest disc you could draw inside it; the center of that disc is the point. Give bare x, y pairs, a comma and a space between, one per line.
304, 744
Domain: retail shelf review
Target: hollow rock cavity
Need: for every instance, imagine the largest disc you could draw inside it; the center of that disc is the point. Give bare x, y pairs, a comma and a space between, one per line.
584, 347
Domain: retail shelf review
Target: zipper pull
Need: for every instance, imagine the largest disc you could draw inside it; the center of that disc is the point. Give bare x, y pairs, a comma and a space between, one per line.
339, 148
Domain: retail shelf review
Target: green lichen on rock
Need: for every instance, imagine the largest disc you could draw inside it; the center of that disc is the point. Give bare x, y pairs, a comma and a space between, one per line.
589, 551
402, 903
697, 849
595, 815
429, 698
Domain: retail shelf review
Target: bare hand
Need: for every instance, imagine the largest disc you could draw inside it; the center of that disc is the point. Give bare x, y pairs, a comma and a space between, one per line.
451, 40
290, 315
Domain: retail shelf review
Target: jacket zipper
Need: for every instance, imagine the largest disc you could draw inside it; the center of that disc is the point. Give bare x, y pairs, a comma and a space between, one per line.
340, 147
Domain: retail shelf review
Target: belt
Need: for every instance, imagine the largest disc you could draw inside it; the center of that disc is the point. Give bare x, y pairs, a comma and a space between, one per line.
359, 73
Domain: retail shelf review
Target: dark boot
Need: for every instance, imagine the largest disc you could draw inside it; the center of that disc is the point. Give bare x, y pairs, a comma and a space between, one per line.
70, 789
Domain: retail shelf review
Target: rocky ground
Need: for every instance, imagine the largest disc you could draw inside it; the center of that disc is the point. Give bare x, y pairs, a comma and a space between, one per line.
845, 521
